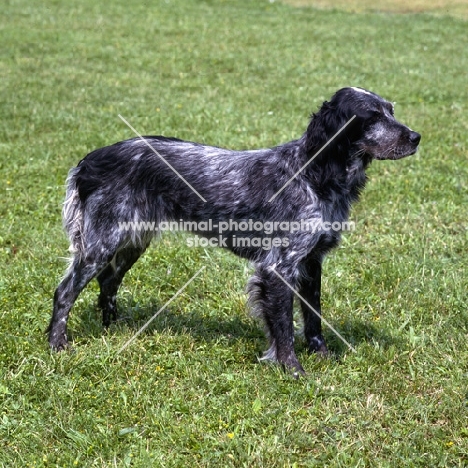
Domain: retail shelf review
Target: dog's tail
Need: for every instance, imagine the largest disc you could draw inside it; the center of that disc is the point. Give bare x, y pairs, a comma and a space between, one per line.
73, 214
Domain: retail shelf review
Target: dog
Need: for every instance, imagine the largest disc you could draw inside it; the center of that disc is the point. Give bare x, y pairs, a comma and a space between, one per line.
154, 178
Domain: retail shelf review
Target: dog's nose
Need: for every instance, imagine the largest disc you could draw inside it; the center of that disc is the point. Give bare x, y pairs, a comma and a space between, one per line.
415, 137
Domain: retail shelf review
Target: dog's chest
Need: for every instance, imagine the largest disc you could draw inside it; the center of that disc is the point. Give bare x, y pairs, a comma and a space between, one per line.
334, 214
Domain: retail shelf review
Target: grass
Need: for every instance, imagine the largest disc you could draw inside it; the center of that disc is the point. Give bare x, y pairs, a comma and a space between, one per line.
456, 8
189, 391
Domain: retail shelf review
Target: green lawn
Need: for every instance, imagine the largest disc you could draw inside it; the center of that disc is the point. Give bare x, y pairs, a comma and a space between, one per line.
189, 391
457, 8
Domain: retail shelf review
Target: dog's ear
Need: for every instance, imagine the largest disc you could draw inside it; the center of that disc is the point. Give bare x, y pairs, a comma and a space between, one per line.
335, 123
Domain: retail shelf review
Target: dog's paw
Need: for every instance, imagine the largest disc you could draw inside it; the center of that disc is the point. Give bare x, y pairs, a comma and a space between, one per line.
58, 342
298, 373
293, 366
317, 345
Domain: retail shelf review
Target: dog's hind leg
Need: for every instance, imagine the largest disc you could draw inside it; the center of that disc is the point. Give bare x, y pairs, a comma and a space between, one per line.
81, 272
273, 300
111, 278
310, 286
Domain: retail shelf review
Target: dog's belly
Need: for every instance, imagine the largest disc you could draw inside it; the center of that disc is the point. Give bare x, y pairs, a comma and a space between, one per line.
327, 241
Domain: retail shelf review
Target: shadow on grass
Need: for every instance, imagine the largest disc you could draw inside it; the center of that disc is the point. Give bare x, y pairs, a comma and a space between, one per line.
210, 327
203, 327
357, 331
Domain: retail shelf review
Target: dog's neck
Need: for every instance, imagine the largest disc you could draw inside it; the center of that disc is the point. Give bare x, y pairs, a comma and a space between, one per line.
336, 170
356, 174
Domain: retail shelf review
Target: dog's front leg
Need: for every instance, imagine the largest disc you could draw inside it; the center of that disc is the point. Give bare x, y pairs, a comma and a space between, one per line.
310, 286
274, 300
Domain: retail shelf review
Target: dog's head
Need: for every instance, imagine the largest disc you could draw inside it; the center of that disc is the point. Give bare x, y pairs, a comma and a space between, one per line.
377, 133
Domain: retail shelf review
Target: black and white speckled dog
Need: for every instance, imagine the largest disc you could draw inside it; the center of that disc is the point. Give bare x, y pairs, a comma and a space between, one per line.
128, 181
